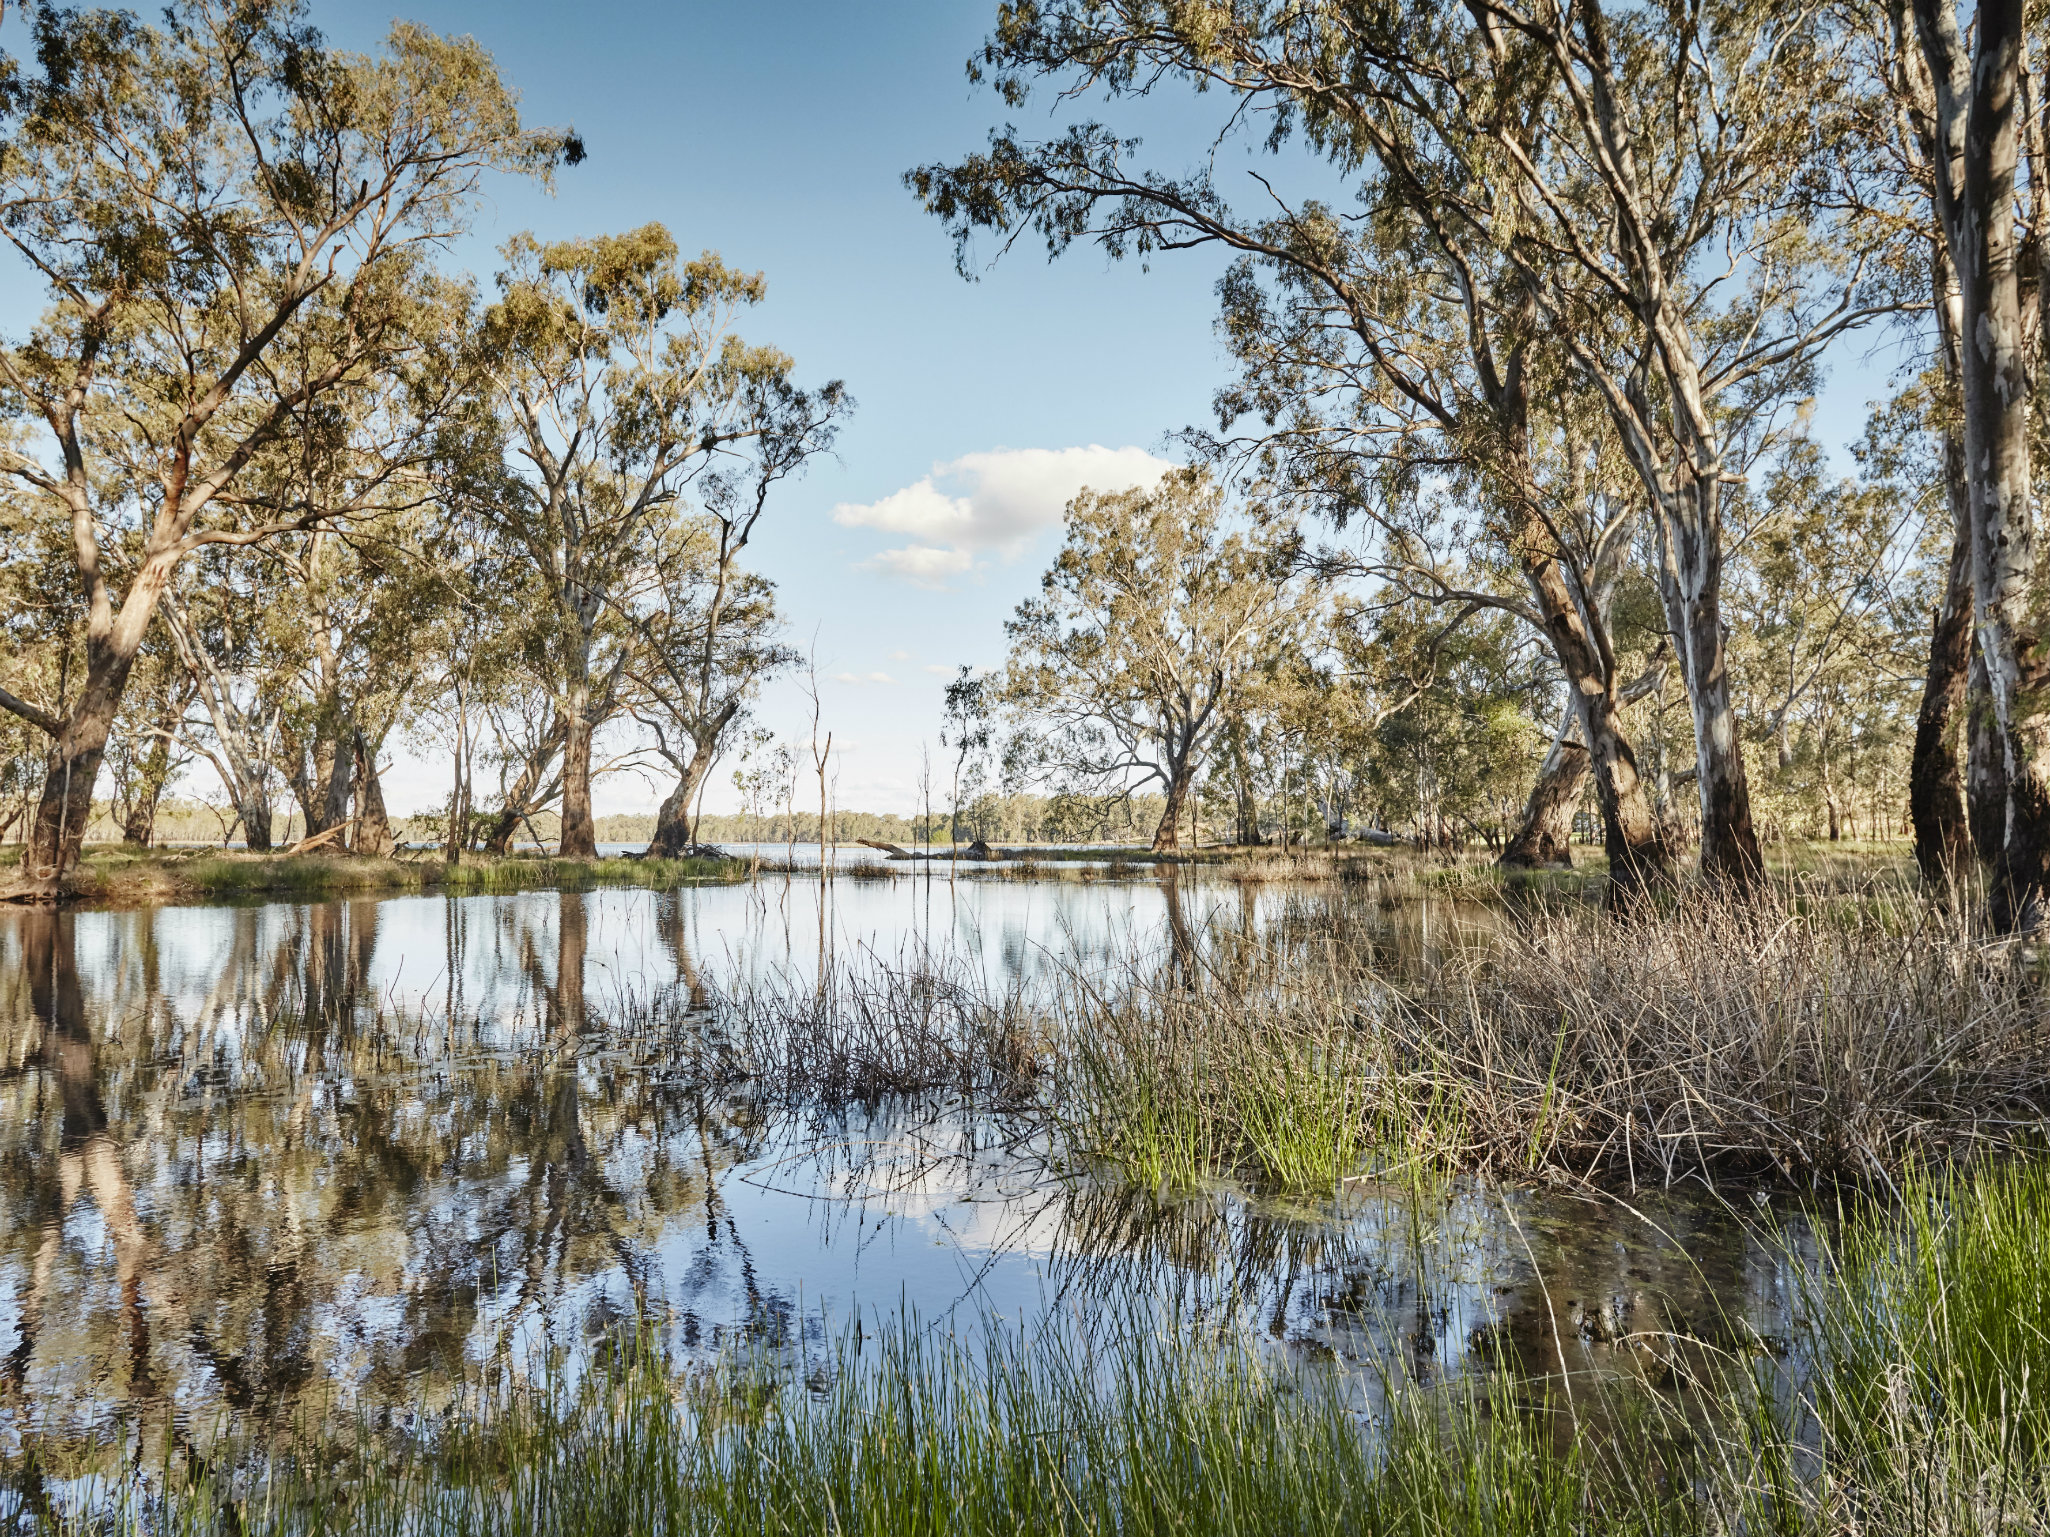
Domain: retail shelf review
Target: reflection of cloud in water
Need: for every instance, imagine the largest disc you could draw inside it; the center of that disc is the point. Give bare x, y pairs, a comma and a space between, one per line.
250, 1152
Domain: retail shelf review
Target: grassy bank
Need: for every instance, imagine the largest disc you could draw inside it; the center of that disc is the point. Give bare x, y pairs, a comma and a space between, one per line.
125, 877
1911, 1404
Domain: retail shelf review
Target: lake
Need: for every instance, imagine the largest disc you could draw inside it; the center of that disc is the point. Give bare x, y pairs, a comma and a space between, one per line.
256, 1158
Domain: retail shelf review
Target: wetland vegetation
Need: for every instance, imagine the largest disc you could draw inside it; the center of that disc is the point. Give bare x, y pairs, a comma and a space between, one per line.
1475, 967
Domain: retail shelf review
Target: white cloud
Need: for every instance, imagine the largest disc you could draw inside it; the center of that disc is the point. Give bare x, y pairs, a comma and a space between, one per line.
938, 669
860, 679
921, 565
900, 656
993, 501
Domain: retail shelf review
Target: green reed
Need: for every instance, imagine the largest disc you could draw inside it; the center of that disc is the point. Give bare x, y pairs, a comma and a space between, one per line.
1911, 1406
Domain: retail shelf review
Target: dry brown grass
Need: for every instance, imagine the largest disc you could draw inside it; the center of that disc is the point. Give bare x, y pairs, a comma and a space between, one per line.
1808, 1038
1795, 1041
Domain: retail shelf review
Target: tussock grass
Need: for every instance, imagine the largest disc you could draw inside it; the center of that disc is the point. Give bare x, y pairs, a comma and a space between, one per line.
1812, 1039
862, 1032
1801, 1041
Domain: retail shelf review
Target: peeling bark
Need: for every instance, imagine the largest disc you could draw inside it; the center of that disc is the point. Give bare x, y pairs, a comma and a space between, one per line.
1936, 800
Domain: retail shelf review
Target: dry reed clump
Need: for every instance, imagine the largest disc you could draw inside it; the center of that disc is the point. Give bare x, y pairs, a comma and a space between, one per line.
1816, 1041
865, 1032
1718, 1040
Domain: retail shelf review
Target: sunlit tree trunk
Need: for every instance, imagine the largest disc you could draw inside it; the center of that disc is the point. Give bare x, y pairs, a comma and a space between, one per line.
1181, 774
672, 818
1545, 836
579, 836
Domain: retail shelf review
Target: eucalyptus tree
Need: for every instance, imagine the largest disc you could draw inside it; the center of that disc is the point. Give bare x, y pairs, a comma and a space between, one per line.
709, 629
220, 210
1969, 89
1825, 593
969, 732
145, 755
619, 381
1639, 187
224, 643
1158, 610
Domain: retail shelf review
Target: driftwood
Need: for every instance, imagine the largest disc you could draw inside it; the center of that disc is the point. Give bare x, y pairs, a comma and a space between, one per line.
978, 851
308, 845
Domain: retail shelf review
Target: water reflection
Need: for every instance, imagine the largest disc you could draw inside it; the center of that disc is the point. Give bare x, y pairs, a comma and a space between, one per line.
254, 1155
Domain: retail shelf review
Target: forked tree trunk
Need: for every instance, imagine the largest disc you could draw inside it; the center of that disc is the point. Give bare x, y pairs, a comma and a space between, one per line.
1691, 586
373, 823
139, 827
672, 820
1579, 638
1545, 837
1936, 801
525, 796
1729, 843
1637, 856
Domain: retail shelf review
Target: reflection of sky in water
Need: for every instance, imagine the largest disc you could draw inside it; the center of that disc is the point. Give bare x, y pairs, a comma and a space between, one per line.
313, 1201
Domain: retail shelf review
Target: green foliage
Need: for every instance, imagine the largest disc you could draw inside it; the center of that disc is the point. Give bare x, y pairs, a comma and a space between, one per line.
1160, 610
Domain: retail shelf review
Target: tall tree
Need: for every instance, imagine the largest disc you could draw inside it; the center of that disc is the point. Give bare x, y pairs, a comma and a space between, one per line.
1646, 178
619, 381
709, 629
220, 209
1978, 114
1154, 615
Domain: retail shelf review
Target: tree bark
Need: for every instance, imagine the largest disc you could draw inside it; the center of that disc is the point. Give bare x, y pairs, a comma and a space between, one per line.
1978, 151
139, 827
1167, 836
339, 783
58, 831
672, 820
1936, 801
1690, 586
373, 822
1545, 837
525, 796
579, 836
1985, 767
1579, 638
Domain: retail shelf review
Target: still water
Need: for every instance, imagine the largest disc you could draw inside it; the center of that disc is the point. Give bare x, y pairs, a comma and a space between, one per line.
257, 1157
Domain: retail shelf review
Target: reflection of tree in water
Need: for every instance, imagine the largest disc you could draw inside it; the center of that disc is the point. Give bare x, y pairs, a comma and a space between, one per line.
323, 1191
1432, 1279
